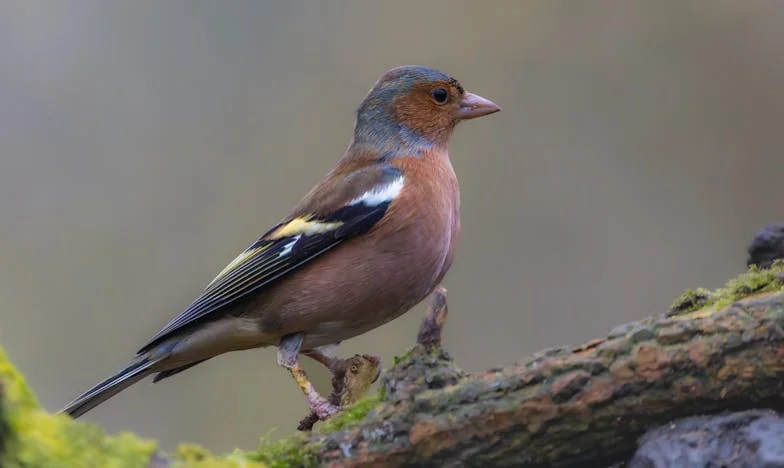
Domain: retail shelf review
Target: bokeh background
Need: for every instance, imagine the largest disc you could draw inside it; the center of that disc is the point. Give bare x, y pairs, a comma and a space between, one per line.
143, 144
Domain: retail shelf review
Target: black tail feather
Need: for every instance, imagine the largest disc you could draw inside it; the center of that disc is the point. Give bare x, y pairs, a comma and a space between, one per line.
101, 392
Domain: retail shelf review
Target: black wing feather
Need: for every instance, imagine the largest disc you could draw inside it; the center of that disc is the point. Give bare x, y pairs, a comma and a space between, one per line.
270, 259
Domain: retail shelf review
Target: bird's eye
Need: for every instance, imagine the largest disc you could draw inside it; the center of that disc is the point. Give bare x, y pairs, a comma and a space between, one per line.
440, 95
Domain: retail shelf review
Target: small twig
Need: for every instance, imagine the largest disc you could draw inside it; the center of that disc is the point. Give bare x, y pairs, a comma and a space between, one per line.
435, 318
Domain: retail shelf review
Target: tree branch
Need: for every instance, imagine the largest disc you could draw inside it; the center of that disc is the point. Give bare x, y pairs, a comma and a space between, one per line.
567, 406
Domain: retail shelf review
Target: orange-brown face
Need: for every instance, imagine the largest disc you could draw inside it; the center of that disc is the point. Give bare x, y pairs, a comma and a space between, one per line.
421, 100
433, 108
430, 108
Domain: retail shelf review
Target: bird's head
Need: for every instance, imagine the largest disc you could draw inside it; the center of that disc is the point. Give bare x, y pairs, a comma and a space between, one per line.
413, 107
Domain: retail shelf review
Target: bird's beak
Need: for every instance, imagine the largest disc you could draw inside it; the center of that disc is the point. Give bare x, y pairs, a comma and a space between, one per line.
473, 106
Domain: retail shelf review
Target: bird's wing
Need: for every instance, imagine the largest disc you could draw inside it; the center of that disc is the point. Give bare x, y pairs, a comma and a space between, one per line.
339, 208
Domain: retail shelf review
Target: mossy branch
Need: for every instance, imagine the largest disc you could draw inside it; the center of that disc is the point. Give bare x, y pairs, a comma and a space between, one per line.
567, 406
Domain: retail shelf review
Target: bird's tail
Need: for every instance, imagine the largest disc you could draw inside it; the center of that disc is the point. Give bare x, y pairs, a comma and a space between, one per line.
132, 373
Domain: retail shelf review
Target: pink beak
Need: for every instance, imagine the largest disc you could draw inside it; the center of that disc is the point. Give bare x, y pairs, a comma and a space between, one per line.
473, 106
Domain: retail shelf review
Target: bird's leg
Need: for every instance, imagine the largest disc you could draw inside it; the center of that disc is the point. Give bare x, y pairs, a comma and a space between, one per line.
288, 357
326, 356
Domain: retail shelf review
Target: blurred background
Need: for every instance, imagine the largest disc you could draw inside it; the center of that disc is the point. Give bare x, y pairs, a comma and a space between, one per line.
144, 144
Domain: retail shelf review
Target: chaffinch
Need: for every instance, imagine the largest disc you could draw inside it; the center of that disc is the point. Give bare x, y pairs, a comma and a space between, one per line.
364, 246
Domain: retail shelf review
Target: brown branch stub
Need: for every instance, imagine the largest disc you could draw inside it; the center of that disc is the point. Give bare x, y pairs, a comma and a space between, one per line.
426, 366
351, 379
435, 318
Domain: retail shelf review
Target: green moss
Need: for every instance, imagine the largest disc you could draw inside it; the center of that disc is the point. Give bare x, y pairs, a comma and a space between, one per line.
754, 281
291, 452
404, 356
690, 300
352, 415
16, 395
37, 438
192, 453
41, 439
195, 456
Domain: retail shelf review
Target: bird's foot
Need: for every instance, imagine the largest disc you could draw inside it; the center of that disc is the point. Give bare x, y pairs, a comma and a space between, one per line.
321, 407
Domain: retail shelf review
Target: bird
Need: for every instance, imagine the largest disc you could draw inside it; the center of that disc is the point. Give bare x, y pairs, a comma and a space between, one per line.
365, 245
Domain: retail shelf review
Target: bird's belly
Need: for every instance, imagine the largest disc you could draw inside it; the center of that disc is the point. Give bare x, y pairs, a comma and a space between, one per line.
376, 298
349, 292
365, 312
331, 332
